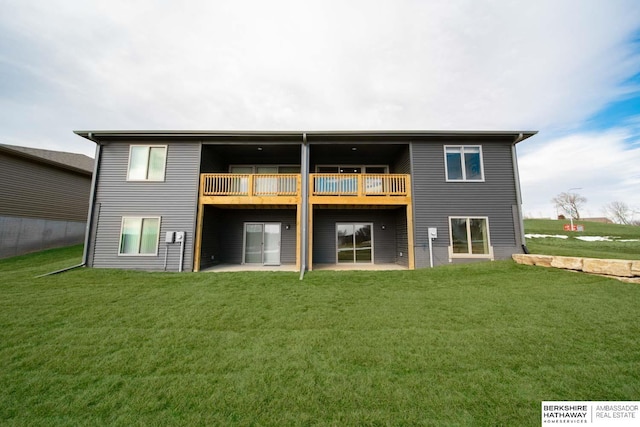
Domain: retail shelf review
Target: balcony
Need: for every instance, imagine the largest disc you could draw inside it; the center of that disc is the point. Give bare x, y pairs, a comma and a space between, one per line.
284, 189
359, 188
226, 188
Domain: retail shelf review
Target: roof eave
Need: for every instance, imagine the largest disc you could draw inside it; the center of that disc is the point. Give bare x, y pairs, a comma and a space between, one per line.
96, 135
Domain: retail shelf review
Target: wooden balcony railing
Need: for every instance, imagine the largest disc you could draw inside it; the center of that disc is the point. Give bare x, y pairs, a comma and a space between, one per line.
227, 184
324, 184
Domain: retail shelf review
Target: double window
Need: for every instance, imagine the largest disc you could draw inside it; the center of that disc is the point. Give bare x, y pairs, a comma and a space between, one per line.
147, 162
470, 237
139, 235
464, 163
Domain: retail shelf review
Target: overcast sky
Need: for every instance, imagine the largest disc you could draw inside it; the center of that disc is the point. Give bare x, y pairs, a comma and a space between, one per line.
569, 69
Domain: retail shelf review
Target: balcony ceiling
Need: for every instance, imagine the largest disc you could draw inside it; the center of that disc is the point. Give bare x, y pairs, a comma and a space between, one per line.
254, 154
363, 153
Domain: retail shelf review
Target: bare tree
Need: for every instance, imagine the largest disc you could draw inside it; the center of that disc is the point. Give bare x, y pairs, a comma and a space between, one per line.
569, 203
619, 212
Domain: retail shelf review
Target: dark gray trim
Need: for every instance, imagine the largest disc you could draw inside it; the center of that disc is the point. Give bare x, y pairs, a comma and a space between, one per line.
516, 178
413, 202
304, 204
92, 199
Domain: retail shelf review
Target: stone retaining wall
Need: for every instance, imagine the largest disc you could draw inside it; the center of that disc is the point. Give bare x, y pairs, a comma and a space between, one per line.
607, 267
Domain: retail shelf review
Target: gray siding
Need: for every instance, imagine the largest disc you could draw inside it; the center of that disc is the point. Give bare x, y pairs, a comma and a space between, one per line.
402, 163
174, 200
402, 241
36, 190
210, 246
223, 233
324, 232
435, 200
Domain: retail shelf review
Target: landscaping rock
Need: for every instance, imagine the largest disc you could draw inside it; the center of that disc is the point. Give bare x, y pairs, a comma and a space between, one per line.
523, 259
567, 262
542, 260
635, 268
610, 267
530, 259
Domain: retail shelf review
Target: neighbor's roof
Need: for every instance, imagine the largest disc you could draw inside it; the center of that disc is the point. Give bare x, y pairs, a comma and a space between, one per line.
71, 161
98, 135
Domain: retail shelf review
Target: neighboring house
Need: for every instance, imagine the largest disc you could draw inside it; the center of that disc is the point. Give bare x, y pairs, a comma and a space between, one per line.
44, 198
303, 198
598, 219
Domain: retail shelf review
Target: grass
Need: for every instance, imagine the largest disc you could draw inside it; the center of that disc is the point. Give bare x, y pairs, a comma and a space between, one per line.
478, 344
575, 247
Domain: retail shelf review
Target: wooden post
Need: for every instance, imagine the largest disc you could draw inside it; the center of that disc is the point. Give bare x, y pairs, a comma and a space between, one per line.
412, 251
310, 237
250, 189
198, 245
199, 217
298, 233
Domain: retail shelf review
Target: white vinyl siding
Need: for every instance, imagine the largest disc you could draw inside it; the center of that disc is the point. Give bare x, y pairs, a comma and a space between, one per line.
147, 162
464, 163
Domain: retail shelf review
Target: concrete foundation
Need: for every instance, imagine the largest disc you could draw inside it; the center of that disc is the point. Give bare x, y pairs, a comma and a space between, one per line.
19, 235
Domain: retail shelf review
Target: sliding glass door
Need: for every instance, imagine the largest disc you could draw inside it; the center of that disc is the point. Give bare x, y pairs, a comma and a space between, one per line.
354, 243
262, 243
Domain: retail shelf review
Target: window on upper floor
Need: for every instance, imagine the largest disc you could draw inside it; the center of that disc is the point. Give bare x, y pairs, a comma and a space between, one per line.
147, 162
464, 163
470, 237
139, 236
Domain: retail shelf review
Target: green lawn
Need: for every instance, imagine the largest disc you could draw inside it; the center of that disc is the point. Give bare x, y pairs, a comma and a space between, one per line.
479, 344
575, 247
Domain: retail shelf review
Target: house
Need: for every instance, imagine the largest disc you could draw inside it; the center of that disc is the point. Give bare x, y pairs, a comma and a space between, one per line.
44, 197
602, 220
303, 198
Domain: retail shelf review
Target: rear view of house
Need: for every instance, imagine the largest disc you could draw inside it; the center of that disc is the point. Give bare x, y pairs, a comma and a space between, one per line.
44, 197
189, 200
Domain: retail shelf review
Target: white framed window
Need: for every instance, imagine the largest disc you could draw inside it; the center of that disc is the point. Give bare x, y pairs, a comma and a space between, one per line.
147, 162
370, 169
464, 163
139, 235
266, 169
469, 237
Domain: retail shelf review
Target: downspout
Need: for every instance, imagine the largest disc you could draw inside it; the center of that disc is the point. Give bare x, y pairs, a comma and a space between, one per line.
92, 199
92, 196
304, 203
516, 174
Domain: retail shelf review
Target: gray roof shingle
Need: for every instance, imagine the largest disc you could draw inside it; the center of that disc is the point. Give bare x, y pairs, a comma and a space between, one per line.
75, 161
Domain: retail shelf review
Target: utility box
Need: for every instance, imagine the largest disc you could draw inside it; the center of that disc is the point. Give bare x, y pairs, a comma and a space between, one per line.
180, 235
170, 237
433, 233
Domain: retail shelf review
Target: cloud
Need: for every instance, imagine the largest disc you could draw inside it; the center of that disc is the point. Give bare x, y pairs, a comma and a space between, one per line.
463, 64
603, 165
